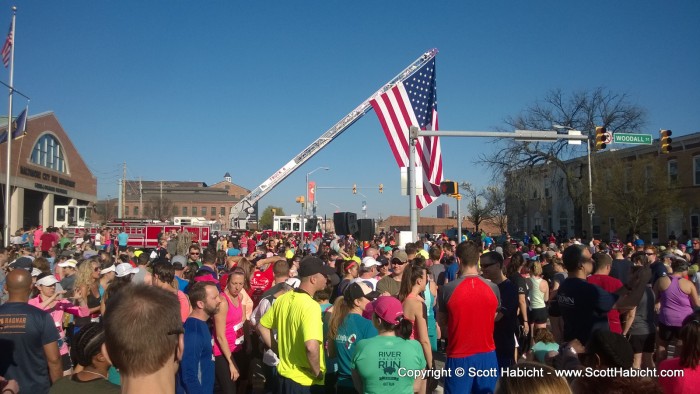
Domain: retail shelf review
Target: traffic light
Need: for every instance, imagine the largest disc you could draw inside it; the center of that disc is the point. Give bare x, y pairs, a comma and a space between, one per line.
666, 140
600, 138
354, 188
449, 187
300, 199
381, 188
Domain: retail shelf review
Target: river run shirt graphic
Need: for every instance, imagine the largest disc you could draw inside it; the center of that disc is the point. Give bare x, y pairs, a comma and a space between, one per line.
378, 360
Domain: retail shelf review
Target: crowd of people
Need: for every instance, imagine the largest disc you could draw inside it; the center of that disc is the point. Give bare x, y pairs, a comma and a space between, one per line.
333, 314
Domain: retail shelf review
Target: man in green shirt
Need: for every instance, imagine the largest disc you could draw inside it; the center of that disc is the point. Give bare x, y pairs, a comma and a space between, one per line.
297, 318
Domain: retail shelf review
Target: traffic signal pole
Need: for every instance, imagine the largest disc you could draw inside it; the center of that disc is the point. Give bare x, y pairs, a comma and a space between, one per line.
591, 207
519, 135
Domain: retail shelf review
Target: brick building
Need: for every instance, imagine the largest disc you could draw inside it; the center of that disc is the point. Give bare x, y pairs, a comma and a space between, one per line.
545, 205
443, 211
46, 170
164, 200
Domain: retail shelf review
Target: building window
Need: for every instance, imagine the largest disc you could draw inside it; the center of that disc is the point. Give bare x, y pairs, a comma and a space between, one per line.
222, 211
184, 211
126, 211
654, 228
136, 211
563, 222
213, 211
176, 210
696, 170
48, 153
672, 172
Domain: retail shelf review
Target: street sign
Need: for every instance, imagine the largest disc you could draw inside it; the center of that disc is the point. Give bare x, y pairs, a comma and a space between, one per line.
637, 139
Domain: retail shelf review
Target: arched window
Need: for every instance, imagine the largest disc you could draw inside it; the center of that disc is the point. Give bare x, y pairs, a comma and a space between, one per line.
48, 153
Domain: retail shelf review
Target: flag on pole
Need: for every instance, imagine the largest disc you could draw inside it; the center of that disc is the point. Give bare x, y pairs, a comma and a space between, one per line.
413, 102
7, 48
19, 127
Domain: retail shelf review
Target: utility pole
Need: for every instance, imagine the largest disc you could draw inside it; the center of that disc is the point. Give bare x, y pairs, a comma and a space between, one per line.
122, 203
160, 201
140, 198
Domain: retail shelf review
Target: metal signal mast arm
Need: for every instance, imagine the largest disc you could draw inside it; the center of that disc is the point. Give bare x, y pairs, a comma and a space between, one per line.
241, 210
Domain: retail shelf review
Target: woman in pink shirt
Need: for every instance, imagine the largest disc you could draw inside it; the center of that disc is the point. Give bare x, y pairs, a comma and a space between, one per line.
50, 301
688, 362
231, 357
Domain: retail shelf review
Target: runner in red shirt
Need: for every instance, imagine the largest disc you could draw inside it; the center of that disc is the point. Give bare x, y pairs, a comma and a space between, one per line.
601, 278
262, 279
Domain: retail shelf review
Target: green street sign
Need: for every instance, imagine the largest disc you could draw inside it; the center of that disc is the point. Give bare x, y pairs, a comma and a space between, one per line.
627, 138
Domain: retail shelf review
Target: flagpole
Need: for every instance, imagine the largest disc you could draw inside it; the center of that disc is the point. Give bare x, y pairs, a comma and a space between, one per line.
8, 189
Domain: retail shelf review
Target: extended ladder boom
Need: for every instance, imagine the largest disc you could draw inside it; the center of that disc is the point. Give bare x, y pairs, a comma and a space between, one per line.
243, 208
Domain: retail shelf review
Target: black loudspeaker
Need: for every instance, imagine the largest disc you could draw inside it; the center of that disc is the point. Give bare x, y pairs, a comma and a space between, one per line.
345, 223
365, 231
311, 224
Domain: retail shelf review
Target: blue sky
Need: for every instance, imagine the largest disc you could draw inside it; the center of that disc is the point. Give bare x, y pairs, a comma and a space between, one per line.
188, 90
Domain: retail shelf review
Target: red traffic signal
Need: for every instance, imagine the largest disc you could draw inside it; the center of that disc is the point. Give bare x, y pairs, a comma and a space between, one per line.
449, 187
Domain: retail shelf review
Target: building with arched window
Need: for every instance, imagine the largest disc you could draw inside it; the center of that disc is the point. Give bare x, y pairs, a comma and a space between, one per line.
46, 170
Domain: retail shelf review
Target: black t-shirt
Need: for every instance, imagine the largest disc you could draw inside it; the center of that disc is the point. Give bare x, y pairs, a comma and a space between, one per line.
583, 307
521, 284
24, 330
621, 269
505, 328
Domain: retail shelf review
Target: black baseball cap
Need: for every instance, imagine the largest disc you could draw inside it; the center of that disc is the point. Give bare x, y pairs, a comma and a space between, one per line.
357, 290
312, 265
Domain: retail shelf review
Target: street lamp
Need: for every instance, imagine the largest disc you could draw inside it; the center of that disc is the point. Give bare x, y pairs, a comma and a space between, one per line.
304, 211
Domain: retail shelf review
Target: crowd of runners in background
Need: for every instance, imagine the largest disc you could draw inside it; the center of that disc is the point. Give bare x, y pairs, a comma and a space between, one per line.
337, 315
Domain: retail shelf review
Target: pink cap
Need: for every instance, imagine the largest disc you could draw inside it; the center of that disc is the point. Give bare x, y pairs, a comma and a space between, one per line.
388, 309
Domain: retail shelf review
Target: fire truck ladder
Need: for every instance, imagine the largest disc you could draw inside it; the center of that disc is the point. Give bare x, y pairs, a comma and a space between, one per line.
241, 211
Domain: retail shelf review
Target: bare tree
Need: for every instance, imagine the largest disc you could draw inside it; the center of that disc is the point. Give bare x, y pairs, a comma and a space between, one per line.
496, 196
479, 208
158, 208
584, 110
633, 191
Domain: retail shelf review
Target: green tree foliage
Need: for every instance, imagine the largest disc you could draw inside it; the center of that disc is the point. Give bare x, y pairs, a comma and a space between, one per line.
265, 220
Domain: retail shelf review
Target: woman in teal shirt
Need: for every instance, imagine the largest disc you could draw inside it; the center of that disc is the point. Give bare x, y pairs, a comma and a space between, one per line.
386, 363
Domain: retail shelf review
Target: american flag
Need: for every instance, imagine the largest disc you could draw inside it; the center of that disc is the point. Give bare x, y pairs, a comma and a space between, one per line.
7, 48
413, 102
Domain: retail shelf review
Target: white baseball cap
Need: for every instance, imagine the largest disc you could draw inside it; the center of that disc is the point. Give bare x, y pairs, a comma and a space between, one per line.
36, 271
370, 261
111, 268
125, 269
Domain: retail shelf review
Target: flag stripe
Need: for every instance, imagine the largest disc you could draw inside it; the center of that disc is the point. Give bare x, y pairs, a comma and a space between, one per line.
7, 48
387, 132
413, 102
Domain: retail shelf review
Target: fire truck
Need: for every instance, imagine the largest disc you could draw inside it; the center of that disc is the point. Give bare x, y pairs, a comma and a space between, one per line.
244, 211
144, 234
292, 224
